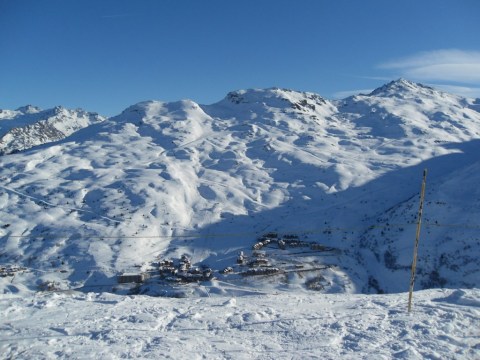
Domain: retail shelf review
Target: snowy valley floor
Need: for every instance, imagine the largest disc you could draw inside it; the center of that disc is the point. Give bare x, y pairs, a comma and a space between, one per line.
444, 324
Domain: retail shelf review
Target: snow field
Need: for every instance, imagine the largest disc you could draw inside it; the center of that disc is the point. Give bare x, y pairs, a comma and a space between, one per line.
443, 325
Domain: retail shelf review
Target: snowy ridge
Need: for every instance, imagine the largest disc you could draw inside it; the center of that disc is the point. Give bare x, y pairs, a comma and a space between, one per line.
29, 126
165, 179
403, 88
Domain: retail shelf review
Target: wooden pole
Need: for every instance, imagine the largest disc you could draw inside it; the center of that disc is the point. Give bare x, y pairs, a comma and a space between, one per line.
417, 237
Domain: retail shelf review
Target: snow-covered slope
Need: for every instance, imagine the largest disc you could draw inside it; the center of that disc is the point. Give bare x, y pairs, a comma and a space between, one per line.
323, 177
402, 109
30, 126
450, 241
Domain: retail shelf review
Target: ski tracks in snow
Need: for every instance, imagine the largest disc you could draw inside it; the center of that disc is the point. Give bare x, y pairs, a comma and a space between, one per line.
281, 326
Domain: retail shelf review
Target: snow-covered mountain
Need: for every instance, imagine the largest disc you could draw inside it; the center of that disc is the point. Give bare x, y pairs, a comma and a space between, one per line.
29, 126
332, 185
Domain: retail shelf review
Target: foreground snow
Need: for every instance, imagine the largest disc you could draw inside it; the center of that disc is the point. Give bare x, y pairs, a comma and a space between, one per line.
443, 325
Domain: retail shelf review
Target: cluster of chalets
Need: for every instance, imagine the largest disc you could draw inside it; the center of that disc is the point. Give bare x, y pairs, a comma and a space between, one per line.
176, 271
183, 271
264, 259
11, 270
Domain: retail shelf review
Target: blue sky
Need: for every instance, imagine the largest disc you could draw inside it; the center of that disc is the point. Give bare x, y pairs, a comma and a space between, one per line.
106, 55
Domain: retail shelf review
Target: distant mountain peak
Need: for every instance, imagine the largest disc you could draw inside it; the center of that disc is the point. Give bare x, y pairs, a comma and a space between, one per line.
156, 107
249, 96
275, 98
401, 87
30, 126
29, 109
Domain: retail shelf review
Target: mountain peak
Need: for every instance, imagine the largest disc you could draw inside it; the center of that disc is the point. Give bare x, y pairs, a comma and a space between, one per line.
156, 107
276, 98
401, 87
252, 96
29, 109
30, 126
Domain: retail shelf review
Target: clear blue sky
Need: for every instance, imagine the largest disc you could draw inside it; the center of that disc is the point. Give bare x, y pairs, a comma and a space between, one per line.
106, 55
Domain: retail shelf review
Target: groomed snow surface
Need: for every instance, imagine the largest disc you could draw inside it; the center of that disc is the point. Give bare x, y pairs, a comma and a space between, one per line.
442, 325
